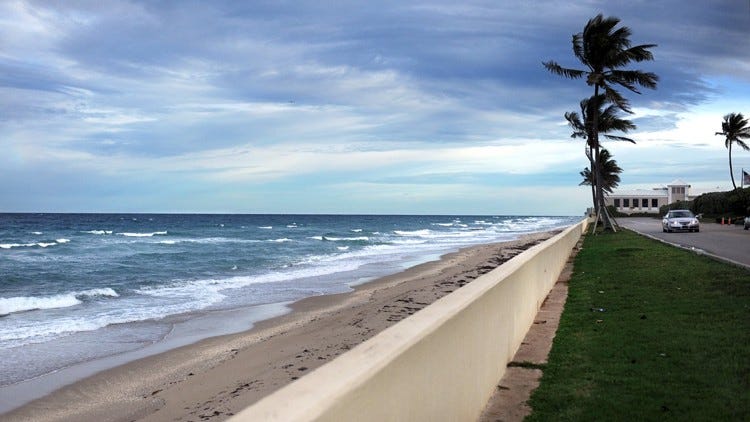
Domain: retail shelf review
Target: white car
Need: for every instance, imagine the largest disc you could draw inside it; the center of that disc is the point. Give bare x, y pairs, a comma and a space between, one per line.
680, 220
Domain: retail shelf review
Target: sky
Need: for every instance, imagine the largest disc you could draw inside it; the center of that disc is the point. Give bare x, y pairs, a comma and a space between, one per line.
387, 107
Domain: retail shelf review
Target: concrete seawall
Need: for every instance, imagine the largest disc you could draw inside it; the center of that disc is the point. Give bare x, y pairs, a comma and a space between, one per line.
442, 363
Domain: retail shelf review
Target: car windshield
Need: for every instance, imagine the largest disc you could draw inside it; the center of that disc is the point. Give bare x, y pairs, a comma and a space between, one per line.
680, 214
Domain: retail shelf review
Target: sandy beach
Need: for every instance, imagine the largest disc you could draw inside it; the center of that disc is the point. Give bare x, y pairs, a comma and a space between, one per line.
217, 377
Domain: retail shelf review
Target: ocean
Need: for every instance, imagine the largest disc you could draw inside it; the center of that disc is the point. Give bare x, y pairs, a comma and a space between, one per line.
80, 287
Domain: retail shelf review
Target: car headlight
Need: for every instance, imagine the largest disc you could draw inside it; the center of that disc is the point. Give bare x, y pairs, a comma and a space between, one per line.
695, 221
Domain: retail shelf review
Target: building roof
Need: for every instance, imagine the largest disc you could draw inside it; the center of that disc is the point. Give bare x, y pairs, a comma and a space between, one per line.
678, 182
640, 193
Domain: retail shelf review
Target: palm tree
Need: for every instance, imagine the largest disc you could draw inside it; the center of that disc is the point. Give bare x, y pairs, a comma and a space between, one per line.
734, 128
605, 50
609, 121
610, 170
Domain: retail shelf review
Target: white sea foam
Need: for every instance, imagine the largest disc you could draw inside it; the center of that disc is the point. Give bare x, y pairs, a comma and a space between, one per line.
282, 240
208, 240
266, 227
142, 234
37, 233
15, 245
342, 248
29, 303
357, 230
443, 224
34, 244
423, 232
99, 232
408, 242
339, 239
292, 226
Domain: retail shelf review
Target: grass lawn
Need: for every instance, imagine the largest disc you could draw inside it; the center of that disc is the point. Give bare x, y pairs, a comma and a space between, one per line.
649, 332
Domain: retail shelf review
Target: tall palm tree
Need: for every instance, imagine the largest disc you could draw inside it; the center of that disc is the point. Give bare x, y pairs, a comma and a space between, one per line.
605, 50
734, 128
610, 173
609, 121
610, 170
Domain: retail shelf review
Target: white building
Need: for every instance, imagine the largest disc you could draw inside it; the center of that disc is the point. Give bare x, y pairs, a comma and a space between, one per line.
649, 200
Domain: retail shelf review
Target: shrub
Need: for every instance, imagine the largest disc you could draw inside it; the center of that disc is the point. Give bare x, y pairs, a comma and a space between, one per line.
733, 203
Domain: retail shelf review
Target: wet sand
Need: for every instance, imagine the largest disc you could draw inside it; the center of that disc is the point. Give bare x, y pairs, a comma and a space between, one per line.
217, 377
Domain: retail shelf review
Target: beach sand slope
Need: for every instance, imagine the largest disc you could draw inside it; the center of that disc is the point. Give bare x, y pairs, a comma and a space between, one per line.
218, 377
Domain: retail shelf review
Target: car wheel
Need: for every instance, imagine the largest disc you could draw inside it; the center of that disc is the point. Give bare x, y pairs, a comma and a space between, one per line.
746, 227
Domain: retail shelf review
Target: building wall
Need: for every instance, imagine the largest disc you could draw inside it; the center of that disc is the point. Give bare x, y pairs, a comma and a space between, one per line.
619, 203
442, 363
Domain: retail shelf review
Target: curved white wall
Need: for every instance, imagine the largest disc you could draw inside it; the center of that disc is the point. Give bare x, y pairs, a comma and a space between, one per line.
442, 363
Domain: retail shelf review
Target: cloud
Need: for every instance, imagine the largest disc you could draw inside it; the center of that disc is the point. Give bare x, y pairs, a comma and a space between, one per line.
236, 94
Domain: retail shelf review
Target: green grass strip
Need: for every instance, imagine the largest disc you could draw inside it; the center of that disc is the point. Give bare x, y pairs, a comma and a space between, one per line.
649, 332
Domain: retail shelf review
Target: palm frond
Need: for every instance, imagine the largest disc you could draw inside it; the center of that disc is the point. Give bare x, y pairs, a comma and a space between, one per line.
617, 99
619, 138
640, 53
574, 121
587, 177
563, 71
629, 78
578, 47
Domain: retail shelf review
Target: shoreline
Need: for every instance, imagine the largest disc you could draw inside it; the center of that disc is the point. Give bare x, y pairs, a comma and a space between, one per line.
216, 377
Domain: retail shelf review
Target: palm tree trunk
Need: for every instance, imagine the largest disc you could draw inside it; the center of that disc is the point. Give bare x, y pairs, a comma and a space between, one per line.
731, 172
592, 163
606, 223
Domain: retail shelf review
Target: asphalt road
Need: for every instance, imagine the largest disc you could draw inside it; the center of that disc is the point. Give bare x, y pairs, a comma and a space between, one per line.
728, 242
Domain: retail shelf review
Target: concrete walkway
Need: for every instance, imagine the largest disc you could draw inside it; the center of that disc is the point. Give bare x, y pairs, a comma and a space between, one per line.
523, 373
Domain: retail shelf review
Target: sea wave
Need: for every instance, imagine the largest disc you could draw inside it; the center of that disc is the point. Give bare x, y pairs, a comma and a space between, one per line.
423, 232
340, 239
282, 240
99, 232
33, 244
128, 234
31, 303
266, 227
207, 241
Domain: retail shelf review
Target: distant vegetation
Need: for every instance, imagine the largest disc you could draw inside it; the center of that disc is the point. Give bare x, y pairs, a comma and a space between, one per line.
734, 203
